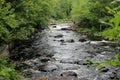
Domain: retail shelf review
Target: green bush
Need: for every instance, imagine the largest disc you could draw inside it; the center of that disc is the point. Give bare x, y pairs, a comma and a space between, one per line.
114, 30
7, 22
19, 18
7, 70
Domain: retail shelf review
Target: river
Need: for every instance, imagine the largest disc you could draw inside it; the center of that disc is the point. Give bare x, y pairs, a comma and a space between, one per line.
58, 50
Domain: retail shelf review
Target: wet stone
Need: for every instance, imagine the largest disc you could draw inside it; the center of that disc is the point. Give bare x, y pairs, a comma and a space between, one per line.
83, 62
64, 29
70, 67
105, 77
49, 55
82, 40
45, 59
48, 68
63, 78
112, 75
63, 44
118, 75
104, 70
58, 36
54, 26
71, 41
62, 41
27, 73
69, 73
23, 66
71, 61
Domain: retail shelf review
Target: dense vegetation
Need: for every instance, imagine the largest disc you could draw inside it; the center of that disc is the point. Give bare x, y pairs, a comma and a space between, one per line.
99, 16
7, 70
19, 18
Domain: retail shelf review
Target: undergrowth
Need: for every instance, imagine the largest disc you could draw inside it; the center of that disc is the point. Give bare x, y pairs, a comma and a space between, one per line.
7, 69
108, 62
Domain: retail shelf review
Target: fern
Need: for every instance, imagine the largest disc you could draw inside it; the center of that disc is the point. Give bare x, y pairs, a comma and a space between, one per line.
114, 24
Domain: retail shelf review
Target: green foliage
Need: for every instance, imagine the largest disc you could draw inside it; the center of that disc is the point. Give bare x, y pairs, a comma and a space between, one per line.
93, 14
7, 70
111, 33
19, 18
108, 62
7, 21
114, 24
88, 30
77, 8
61, 9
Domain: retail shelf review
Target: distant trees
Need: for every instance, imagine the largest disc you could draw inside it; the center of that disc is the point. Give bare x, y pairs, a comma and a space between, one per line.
98, 14
62, 9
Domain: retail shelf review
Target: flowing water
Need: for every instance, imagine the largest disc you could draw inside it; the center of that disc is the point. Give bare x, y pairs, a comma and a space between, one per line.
59, 50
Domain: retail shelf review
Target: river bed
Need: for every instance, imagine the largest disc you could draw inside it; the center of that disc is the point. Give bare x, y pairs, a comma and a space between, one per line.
58, 50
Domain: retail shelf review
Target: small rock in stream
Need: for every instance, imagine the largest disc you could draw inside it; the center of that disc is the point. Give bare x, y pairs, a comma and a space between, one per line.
69, 73
62, 41
64, 29
58, 36
83, 62
63, 78
82, 40
104, 70
71, 41
48, 68
45, 59
49, 55
23, 66
54, 26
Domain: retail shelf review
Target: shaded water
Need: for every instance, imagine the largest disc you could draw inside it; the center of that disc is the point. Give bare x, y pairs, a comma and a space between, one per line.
58, 50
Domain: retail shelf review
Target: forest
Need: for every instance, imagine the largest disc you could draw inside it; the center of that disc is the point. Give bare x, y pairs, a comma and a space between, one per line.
20, 19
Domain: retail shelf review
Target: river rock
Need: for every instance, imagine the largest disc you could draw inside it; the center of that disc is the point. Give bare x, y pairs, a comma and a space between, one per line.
54, 26
68, 66
71, 41
27, 72
64, 29
58, 36
71, 61
104, 70
68, 73
118, 75
82, 62
63, 78
49, 55
22, 66
82, 40
48, 68
62, 41
45, 59
112, 75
